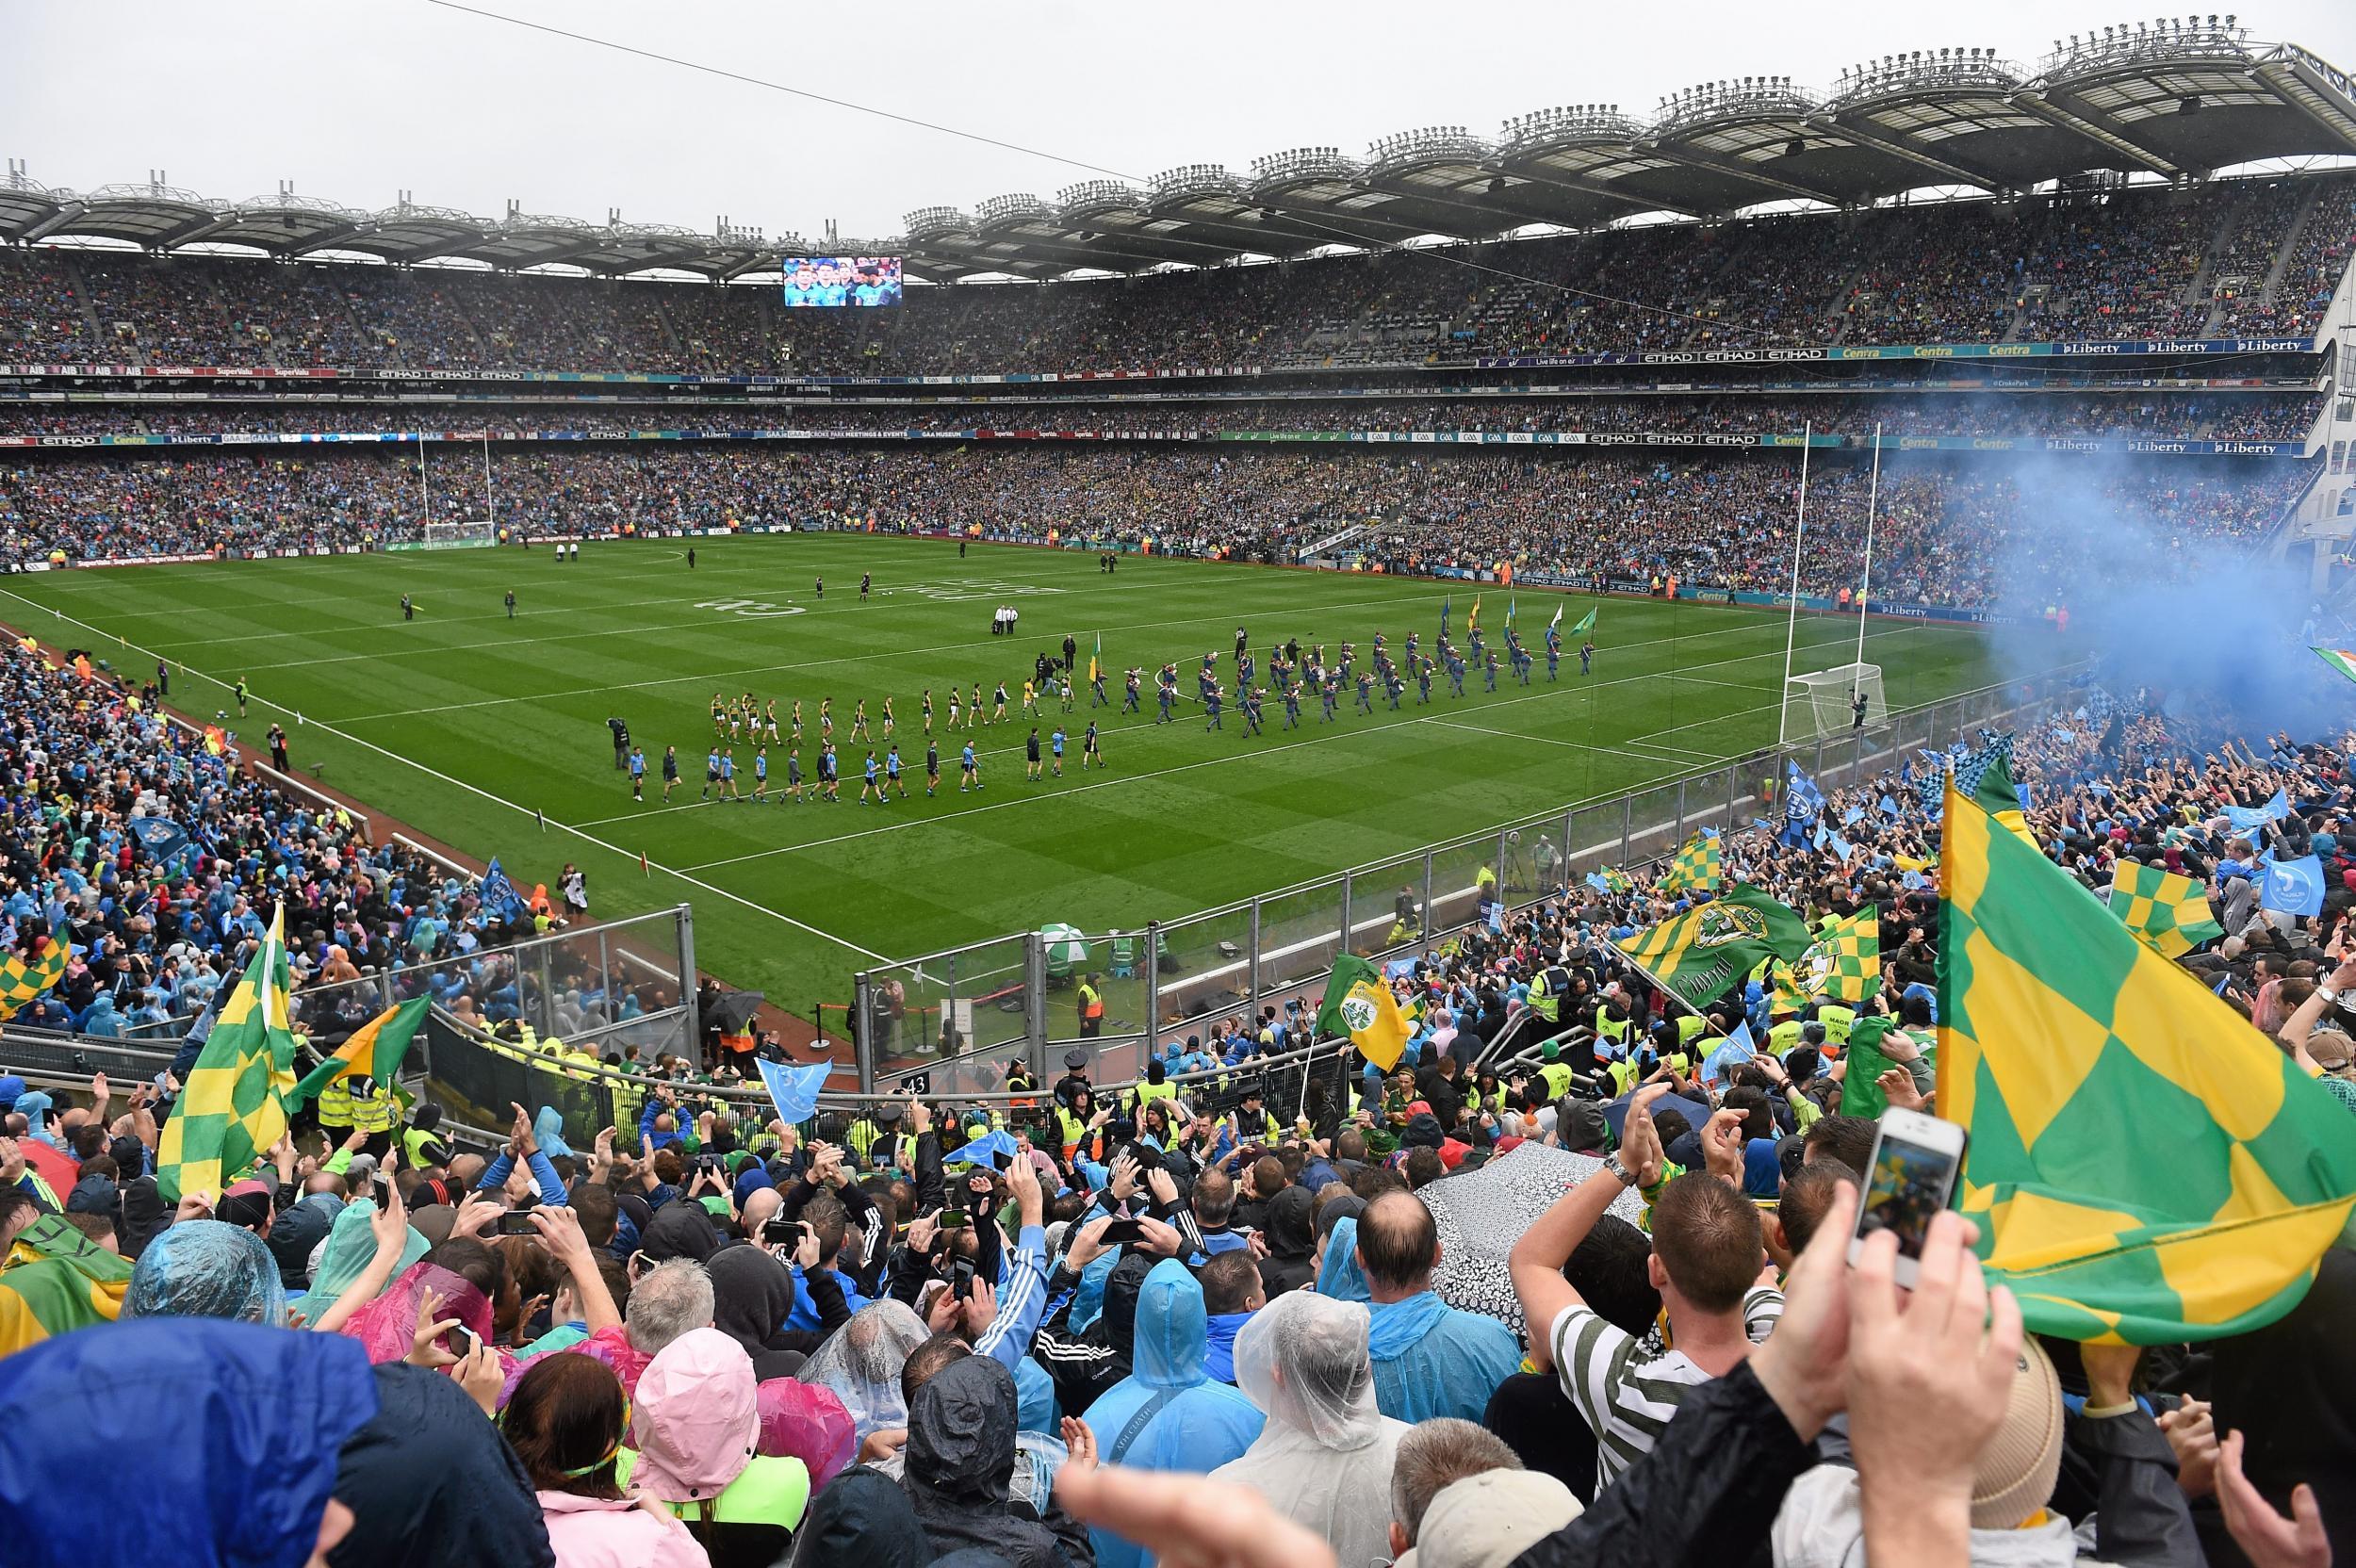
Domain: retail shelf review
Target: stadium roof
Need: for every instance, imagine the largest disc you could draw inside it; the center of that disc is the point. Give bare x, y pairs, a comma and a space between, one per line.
2177, 99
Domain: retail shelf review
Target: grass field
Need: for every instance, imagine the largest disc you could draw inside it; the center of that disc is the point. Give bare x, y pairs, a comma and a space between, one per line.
465, 723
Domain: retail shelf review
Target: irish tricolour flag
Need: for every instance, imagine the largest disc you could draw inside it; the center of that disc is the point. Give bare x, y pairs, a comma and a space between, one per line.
2340, 660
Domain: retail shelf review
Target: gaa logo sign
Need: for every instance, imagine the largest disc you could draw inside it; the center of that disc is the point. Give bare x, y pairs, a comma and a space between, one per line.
1358, 1010
1722, 924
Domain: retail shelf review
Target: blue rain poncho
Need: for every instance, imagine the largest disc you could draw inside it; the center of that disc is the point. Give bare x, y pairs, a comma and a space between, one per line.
207, 1269
243, 1425
1168, 1413
1431, 1359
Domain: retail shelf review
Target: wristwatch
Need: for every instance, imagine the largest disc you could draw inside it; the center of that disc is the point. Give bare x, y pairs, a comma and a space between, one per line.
1611, 1163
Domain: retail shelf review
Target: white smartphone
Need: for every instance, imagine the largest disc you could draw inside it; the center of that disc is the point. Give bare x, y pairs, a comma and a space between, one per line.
1912, 1175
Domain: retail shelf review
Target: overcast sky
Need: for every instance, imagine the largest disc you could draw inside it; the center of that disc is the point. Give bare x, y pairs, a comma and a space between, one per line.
357, 100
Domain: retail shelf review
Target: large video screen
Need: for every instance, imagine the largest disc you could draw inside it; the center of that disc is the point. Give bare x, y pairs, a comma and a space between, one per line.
826, 282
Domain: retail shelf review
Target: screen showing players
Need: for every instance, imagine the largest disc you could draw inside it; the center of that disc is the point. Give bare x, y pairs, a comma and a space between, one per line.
826, 281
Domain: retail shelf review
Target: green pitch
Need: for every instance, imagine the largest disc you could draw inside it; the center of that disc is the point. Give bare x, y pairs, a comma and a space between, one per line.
465, 723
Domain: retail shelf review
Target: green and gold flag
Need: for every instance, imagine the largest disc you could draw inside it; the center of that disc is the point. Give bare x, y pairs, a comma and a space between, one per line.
1584, 624
373, 1051
2144, 1166
1844, 964
233, 1106
1698, 954
1699, 867
2170, 913
55, 1280
22, 980
1359, 1003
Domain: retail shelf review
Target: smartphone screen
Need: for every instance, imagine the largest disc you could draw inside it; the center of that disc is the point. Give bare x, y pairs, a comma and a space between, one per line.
518, 1222
1912, 1178
953, 1220
462, 1341
782, 1230
1002, 1160
1121, 1232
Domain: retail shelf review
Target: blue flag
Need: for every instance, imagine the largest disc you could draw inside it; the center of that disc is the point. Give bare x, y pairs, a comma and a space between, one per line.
1852, 816
160, 837
1840, 846
2292, 887
1802, 801
2249, 818
979, 1150
499, 894
1735, 1047
794, 1089
1596, 880
1888, 807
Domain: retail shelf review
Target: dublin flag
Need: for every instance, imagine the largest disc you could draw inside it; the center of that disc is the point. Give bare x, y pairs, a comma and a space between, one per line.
794, 1091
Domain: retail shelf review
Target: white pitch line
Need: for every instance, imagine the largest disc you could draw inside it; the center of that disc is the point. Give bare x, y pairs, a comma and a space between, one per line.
524, 811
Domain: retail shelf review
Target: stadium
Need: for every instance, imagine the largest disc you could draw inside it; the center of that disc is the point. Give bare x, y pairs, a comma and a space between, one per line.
1078, 635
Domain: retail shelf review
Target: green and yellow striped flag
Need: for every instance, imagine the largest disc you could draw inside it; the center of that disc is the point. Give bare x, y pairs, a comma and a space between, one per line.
22, 980
55, 1280
373, 1051
2144, 1166
1699, 867
1697, 955
2170, 913
233, 1106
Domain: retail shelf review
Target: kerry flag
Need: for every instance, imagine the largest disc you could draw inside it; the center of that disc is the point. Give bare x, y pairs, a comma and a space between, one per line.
1358, 1003
233, 1104
2067, 1044
1699, 955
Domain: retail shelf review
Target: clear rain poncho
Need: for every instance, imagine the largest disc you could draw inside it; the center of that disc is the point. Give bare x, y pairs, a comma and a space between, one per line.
207, 1269
1324, 1458
860, 1362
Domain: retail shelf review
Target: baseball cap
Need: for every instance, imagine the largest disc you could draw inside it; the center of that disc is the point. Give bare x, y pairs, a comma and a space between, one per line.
1486, 1521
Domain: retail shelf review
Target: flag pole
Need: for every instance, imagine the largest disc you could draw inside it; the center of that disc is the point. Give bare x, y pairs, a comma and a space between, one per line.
425, 490
490, 506
1792, 622
1872, 504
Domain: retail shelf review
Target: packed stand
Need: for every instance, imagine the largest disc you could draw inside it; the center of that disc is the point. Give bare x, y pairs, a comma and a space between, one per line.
1950, 532
2115, 265
2198, 415
1084, 1326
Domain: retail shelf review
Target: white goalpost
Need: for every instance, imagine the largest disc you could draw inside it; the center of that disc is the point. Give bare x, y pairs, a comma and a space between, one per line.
1825, 701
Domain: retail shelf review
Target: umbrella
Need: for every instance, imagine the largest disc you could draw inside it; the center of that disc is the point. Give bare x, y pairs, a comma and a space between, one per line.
1066, 950
1697, 1114
732, 1010
1481, 1213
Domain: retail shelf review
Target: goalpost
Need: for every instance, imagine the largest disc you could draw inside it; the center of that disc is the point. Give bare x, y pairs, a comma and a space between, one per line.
1824, 703
462, 533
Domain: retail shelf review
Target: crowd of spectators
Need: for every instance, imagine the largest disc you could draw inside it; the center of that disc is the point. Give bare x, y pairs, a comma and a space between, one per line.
703, 1338
2201, 416
2116, 265
1950, 531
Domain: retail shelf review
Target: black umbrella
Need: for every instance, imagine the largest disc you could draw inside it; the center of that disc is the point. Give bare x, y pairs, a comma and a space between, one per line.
730, 1011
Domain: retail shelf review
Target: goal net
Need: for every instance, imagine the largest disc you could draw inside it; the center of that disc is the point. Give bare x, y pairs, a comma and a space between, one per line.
1824, 703
459, 534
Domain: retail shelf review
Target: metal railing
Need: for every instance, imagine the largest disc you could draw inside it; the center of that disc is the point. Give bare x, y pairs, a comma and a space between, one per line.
976, 1007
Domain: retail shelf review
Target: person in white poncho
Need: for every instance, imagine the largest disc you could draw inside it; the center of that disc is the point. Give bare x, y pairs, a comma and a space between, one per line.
1324, 1459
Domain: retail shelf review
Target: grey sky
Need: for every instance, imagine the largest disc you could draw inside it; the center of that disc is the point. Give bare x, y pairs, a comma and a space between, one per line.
356, 100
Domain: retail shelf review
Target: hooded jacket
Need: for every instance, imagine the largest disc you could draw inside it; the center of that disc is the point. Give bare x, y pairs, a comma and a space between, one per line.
694, 1429
431, 1484
267, 1409
960, 1462
863, 1518
1291, 1250
1084, 1365
1168, 1413
751, 1294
